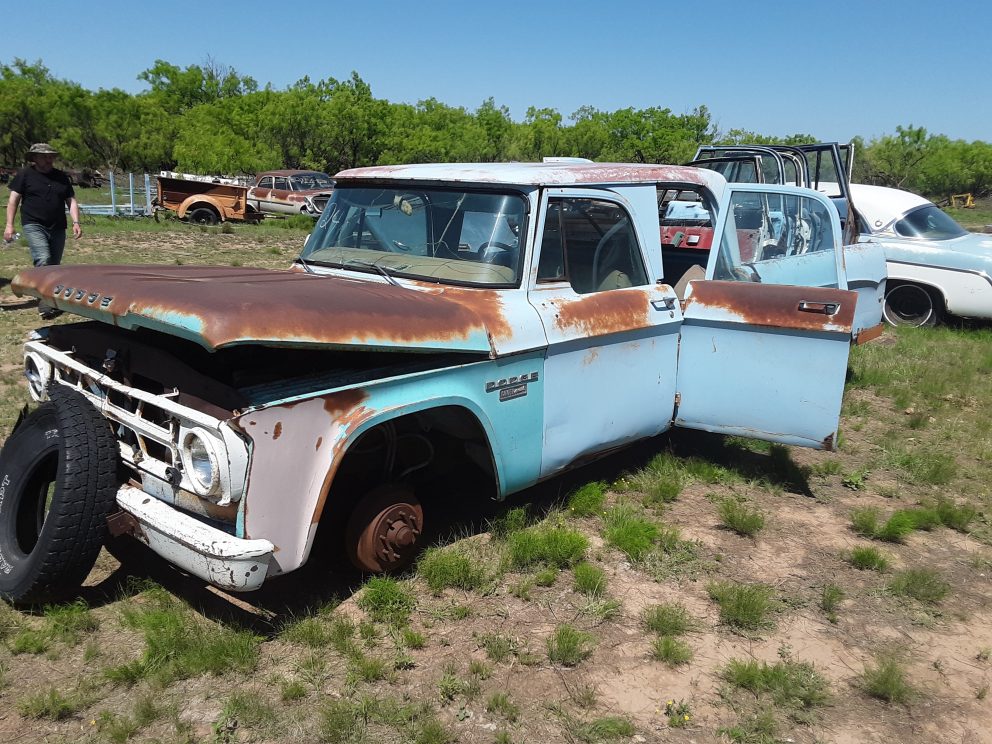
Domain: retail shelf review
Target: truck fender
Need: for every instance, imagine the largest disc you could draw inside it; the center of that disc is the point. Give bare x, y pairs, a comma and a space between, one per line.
472, 412
200, 200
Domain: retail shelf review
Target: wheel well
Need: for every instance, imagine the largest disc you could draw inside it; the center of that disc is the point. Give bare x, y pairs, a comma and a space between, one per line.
440, 453
203, 205
935, 292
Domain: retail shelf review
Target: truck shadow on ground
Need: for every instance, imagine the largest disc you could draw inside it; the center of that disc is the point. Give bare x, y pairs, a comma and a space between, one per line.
319, 585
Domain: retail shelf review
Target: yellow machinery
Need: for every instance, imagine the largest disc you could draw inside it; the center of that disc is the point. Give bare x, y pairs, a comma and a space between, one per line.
967, 201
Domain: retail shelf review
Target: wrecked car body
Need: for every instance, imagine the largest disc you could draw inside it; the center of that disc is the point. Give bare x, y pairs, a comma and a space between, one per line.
435, 336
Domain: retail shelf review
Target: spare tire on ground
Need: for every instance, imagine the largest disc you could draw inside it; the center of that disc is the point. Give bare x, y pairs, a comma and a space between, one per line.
58, 483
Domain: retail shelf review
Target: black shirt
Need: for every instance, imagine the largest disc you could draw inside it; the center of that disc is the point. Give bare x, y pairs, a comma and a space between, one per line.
43, 196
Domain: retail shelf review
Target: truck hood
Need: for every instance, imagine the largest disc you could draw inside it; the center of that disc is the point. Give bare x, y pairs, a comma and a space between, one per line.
218, 307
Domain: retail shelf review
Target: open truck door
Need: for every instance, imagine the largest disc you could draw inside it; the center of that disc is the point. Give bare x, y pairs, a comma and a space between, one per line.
765, 337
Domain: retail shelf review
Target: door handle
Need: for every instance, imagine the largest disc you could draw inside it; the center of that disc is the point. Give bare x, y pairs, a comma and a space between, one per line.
824, 308
668, 303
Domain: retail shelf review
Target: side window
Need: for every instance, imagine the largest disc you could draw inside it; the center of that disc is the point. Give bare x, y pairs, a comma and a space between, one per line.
777, 239
282, 183
265, 183
590, 243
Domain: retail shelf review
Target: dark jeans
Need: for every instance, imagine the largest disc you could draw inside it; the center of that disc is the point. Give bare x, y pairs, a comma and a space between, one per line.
46, 248
46, 245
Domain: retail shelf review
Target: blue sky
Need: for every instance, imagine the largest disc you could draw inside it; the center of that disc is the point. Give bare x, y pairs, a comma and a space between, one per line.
834, 70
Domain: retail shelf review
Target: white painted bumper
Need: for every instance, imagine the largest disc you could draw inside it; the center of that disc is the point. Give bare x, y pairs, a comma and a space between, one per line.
211, 554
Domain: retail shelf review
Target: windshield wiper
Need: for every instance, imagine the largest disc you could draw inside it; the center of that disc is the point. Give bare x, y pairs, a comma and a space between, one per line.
375, 267
305, 265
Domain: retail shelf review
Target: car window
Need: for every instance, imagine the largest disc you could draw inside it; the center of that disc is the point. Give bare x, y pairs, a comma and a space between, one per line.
265, 183
929, 222
591, 244
282, 183
777, 239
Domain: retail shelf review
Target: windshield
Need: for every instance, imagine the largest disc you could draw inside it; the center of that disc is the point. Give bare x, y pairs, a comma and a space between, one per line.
305, 181
930, 223
448, 236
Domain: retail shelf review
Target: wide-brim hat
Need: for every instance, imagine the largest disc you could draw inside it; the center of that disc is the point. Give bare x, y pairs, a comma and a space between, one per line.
41, 148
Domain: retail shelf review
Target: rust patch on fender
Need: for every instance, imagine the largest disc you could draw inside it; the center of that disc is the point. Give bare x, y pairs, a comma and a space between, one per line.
828, 442
277, 430
337, 404
775, 305
487, 304
603, 313
320, 441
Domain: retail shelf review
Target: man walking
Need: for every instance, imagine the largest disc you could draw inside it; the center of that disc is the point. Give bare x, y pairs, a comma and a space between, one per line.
43, 192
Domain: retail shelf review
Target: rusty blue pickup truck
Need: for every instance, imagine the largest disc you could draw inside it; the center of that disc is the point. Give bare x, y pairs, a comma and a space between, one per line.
476, 327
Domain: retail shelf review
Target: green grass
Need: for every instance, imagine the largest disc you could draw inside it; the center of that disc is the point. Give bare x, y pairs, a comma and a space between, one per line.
899, 525
743, 606
509, 523
668, 619
868, 558
444, 568
670, 650
588, 500
500, 704
864, 521
589, 579
386, 600
609, 728
659, 482
956, 516
630, 532
179, 644
413, 639
794, 685
51, 704
922, 584
738, 517
544, 544
66, 624
568, 646
498, 647
305, 631
886, 680
830, 599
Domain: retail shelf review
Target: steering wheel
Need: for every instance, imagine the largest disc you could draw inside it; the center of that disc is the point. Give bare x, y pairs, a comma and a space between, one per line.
505, 249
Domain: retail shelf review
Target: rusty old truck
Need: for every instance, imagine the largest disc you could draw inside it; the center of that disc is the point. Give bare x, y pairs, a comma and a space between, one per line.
448, 331
206, 200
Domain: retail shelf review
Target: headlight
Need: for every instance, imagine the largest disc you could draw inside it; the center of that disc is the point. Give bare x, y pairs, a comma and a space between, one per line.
38, 371
200, 462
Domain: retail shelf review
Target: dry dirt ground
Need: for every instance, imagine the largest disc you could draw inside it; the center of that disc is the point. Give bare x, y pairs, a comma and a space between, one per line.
945, 647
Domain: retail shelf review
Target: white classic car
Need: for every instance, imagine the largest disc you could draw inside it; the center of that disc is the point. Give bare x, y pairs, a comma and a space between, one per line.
935, 266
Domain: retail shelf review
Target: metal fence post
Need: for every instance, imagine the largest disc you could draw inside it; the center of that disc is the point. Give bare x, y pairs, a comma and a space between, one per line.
130, 186
148, 195
113, 194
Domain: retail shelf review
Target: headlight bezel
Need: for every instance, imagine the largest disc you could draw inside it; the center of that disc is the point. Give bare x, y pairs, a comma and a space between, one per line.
190, 438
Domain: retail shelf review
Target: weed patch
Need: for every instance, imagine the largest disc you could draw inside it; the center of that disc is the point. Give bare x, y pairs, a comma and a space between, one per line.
743, 606
568, 646
922, 584
630, 532
179, 645
444, 568
738, 517
589, 579
669, 619
670, 650
588, 500
554, 546
868, 558
386, 600
886, 680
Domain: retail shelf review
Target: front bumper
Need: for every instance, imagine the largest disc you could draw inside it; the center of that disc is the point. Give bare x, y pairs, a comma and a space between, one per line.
211, 554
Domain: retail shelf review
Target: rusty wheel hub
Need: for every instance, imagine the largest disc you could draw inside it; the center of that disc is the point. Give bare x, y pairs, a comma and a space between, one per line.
384, 529
395, 532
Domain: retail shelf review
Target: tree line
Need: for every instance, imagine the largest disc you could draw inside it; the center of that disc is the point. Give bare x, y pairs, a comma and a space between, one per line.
210, 119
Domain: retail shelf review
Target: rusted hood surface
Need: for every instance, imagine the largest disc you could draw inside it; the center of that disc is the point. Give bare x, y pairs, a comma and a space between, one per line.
219, 306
